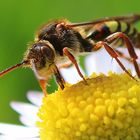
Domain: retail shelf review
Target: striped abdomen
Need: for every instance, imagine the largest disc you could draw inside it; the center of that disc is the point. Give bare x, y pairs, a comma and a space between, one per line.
102, 30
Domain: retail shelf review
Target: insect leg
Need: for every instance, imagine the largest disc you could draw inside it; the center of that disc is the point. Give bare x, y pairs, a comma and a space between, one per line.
42, 81
122, 55
66, 65
129, 46
42, 84
73, 60
113, 54
59, 78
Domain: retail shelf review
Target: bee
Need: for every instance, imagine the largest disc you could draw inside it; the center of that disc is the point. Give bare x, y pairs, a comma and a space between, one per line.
60, 40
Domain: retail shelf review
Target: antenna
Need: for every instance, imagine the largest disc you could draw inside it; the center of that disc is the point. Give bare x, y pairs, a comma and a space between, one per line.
12, 68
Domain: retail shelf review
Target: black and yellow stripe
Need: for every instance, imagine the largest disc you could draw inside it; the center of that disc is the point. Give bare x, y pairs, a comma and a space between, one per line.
101, 31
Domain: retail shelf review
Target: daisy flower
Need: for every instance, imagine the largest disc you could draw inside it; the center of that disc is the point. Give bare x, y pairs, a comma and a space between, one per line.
107, 108
28, 117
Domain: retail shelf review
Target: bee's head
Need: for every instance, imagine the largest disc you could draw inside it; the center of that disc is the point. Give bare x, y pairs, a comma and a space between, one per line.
42, 53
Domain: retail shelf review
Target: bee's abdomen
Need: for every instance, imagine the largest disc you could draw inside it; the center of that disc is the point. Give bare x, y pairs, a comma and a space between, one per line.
101, 31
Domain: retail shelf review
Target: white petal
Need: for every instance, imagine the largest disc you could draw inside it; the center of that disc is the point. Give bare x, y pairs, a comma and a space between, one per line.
28, 121
138, 60
71, 75
138, 54
18, 131
99, 62
35, 97
127, 65
17, 138
25, 109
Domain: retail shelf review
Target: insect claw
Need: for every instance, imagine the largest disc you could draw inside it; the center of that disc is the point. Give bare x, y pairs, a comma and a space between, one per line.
85, 81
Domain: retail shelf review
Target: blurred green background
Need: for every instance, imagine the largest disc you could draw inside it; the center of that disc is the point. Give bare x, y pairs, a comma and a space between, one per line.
19, 20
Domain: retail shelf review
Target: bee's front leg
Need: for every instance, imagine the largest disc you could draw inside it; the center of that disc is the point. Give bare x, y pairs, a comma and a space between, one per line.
42, 80
59, 77
73, 60
43, 86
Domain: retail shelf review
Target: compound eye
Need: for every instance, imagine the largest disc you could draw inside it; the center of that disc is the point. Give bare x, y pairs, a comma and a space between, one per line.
48, 52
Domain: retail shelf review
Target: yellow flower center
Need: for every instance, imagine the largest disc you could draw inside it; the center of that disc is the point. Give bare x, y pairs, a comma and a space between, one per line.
107, 108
